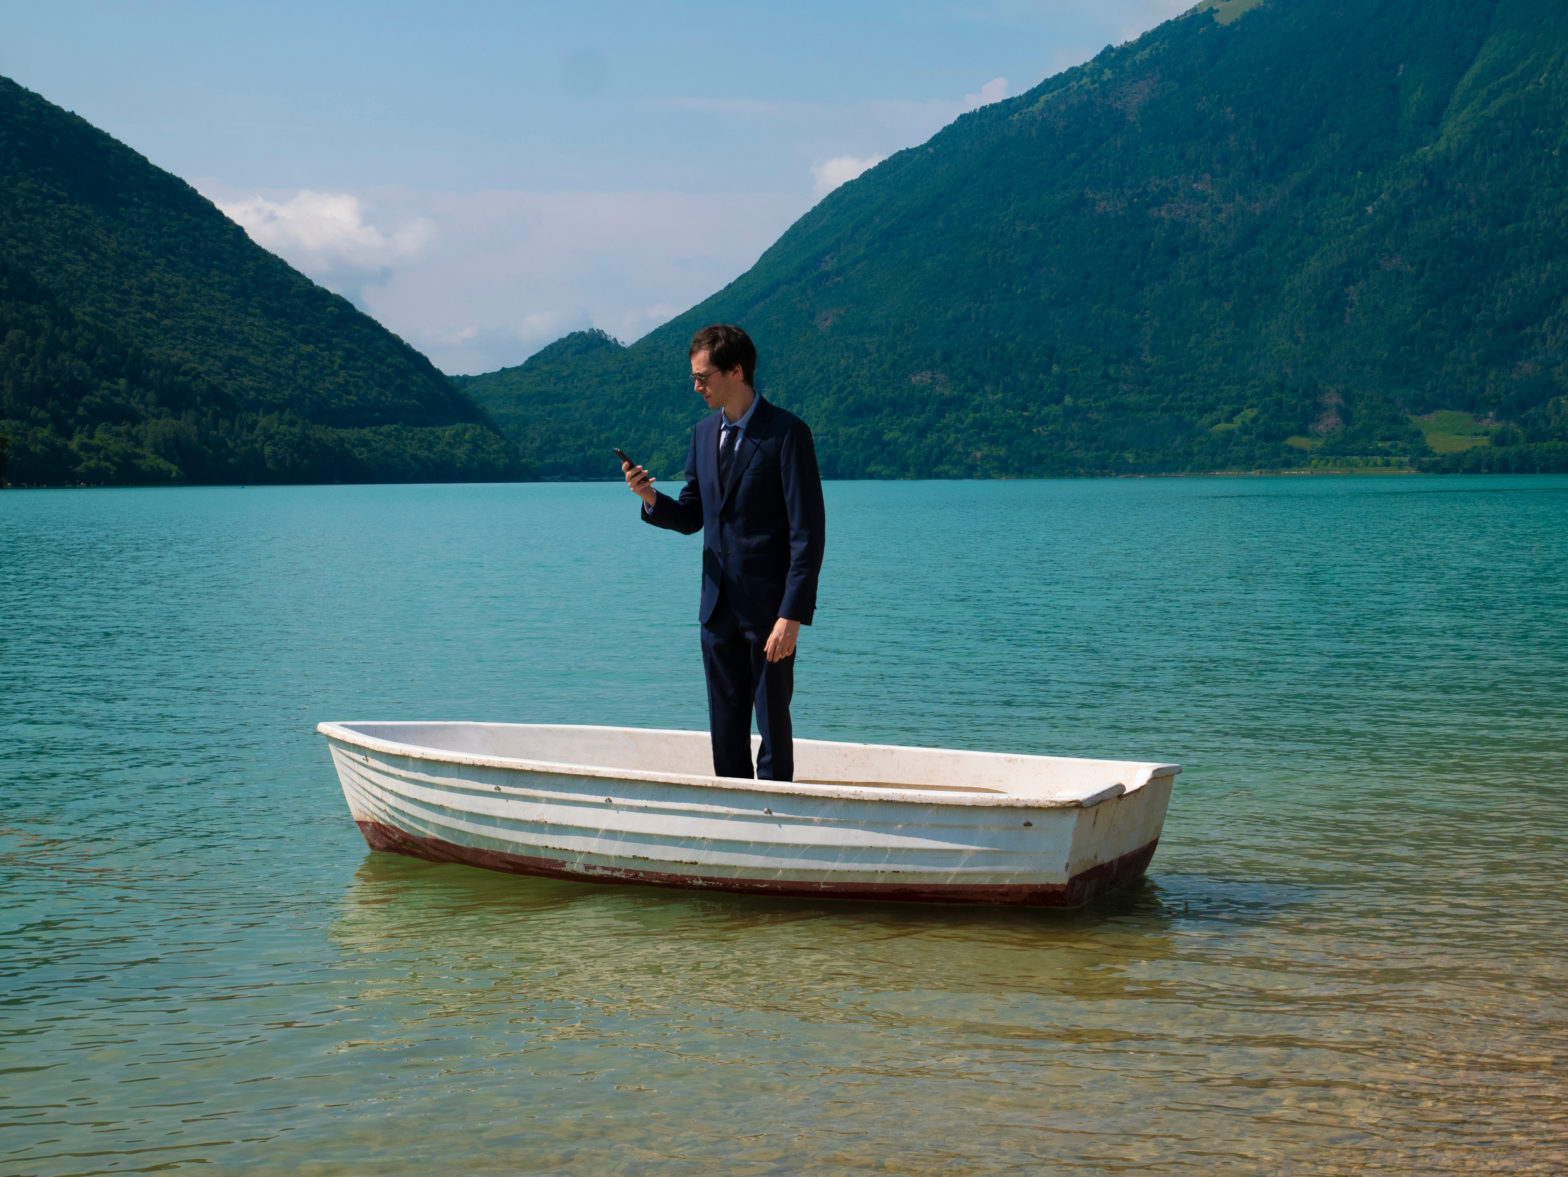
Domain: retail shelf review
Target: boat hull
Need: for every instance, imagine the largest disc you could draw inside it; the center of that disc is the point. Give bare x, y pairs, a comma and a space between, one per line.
932, 843
1076, 891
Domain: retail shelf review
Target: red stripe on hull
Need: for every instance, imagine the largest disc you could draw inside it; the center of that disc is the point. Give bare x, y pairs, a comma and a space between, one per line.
1081, 888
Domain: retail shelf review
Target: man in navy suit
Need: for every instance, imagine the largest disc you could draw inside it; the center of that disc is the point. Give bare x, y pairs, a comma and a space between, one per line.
753, 491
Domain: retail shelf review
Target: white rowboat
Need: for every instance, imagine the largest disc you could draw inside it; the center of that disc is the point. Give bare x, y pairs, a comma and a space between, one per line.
864, 821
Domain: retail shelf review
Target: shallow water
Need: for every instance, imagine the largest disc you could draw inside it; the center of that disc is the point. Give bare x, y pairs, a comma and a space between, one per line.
1347, 956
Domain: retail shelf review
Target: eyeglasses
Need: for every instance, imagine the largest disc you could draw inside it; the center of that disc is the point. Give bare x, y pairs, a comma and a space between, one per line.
701, 378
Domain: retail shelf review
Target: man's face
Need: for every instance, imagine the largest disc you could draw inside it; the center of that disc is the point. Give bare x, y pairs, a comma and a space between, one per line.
716, 388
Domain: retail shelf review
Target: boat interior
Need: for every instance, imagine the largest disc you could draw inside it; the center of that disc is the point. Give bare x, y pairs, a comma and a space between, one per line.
636, 752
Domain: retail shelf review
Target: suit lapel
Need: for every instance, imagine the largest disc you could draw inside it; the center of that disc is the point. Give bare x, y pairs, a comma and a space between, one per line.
746, 449
708, 459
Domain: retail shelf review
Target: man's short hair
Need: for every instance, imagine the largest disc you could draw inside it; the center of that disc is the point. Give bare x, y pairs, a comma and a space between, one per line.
727, 346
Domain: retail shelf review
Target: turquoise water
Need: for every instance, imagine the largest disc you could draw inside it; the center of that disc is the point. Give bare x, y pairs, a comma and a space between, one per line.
1348, 955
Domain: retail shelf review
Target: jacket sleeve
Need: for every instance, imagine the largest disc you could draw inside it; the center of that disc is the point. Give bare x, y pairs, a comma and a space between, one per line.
807, 523
685, 513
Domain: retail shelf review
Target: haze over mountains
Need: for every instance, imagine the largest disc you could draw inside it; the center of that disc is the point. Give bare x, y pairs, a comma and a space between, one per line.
1264, 235
144, 338
1270, 234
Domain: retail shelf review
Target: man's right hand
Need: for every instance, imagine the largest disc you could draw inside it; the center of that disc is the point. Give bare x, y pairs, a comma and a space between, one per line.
641, 482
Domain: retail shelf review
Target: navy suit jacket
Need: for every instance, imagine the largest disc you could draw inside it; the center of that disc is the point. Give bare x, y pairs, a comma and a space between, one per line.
762, 535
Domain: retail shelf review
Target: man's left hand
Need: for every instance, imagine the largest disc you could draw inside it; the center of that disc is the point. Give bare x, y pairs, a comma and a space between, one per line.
781, 642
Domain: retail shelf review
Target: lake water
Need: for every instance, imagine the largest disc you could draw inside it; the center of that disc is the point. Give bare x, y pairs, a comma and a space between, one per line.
1348, 955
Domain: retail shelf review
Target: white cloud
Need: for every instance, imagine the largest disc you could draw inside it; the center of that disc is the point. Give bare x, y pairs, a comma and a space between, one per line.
482, 280
326, 234
841, 169
993, 91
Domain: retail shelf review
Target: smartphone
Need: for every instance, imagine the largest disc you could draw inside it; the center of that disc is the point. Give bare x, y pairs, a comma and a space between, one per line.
621, 454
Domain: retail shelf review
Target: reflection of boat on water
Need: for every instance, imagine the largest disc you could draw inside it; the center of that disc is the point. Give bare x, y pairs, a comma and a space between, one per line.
864, 821
557, 960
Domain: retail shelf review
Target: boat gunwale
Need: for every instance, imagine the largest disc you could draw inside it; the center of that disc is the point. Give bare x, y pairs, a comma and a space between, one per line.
345, 733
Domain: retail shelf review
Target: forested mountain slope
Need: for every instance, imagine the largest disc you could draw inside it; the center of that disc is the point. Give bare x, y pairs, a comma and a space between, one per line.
144, 338
1264, 235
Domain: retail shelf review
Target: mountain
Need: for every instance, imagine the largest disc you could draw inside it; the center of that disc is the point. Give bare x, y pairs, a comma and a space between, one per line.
144, 338
1265, 235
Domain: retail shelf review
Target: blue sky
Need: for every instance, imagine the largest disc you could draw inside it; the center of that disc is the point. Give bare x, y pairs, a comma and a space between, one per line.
484, 177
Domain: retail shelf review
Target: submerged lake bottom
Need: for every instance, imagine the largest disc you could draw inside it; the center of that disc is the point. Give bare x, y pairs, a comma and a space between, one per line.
1346, 955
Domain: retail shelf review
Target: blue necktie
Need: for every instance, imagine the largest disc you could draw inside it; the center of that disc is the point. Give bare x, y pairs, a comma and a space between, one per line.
727, 445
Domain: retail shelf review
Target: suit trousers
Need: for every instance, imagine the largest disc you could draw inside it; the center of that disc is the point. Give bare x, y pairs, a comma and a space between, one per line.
740, 677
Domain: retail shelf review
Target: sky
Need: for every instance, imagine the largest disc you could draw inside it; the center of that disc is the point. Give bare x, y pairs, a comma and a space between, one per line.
484, 177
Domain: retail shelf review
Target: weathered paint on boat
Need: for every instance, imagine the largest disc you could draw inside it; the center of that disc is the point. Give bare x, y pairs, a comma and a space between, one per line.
865, 821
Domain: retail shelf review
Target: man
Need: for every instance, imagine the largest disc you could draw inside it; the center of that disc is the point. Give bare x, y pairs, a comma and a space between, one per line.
753, 490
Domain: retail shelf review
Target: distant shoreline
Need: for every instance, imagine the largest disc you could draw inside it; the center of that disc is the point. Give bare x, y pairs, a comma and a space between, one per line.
1376, 472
